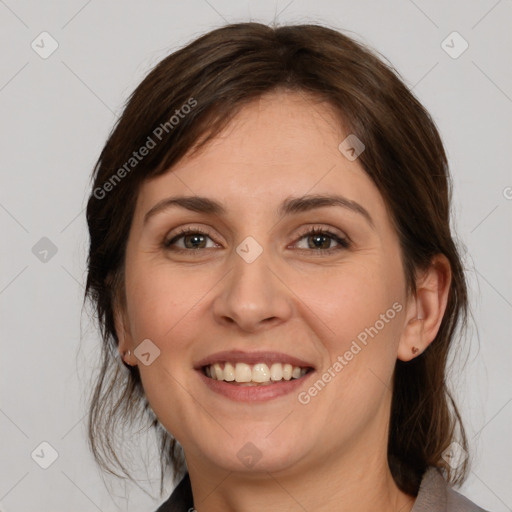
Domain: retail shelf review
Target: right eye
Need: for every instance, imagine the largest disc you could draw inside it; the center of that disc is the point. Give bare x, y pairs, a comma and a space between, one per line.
189, 239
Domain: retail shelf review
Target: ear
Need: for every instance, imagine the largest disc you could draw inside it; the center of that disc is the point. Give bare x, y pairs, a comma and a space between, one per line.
426, 309
125, 345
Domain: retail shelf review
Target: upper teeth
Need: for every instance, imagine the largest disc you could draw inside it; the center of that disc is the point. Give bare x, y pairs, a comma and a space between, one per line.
260, 372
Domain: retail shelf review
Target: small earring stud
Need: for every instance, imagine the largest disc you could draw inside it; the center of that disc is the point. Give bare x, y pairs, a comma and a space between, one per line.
415, 350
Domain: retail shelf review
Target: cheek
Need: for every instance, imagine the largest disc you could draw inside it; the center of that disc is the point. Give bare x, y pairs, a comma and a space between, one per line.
358, 316
165, 307
160, 300
349, 301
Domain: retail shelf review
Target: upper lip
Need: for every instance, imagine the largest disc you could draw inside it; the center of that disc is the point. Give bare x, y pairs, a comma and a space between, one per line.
239, 356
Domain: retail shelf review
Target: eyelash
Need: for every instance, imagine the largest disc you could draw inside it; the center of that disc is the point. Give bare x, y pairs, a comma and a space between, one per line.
343, 243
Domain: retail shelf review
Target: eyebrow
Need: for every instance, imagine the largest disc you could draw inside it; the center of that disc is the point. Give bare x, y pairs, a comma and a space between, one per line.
288, 206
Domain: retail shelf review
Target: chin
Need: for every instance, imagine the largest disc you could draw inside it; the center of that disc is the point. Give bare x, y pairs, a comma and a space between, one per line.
256, 454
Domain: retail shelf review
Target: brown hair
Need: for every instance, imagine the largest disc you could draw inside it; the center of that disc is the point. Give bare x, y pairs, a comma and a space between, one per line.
216, 75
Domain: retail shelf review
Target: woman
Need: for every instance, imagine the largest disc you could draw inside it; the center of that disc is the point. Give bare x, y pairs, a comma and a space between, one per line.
271, 259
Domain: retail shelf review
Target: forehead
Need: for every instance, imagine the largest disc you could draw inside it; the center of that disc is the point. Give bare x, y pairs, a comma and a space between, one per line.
280, 145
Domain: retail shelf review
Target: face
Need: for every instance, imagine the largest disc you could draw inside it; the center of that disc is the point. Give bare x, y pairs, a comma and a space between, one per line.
255, 263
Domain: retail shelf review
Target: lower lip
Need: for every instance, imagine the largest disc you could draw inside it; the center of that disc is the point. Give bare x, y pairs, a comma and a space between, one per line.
253, 393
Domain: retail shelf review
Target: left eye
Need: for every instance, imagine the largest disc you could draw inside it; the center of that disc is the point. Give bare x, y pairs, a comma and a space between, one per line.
322, 240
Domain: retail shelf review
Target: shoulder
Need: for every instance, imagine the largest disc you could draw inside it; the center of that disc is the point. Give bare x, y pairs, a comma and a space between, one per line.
435, 495
180, 499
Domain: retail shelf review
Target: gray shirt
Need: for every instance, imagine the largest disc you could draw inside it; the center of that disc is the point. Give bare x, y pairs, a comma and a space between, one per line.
435, 495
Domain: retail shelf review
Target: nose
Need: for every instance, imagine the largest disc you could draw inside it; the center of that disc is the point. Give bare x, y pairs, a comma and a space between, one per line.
252, 297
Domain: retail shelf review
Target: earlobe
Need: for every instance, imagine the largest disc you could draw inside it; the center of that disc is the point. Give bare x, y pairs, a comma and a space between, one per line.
124, 340
412, 342
426, 309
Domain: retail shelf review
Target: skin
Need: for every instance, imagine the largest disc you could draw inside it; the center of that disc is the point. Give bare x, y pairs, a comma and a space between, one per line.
331, 453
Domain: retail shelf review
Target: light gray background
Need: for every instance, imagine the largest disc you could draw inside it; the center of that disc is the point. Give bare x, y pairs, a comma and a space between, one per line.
55, 116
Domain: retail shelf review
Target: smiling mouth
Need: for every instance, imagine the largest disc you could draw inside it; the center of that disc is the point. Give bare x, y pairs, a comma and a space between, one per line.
260, 374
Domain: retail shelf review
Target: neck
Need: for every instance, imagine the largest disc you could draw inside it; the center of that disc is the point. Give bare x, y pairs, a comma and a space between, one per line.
351, 486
